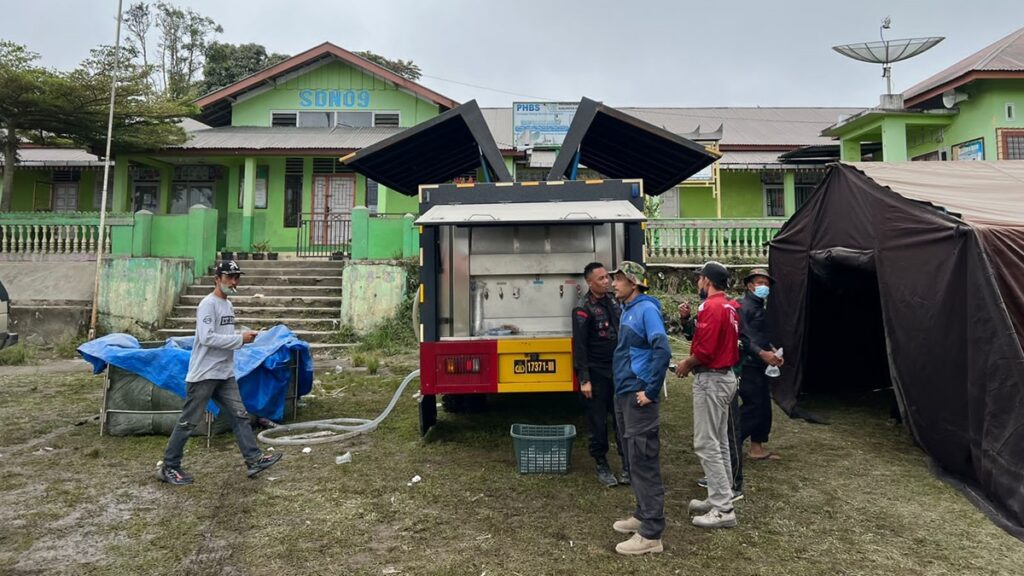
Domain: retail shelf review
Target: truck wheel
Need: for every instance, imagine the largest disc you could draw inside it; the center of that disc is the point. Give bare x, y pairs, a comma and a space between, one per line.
428, 413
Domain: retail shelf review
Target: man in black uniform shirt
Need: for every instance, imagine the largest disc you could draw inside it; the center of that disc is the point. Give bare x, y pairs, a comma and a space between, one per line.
595, 333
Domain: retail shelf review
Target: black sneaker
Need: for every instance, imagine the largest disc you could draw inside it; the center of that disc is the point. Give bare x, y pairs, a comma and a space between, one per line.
175, 476
265, 461
624, 477
605, 476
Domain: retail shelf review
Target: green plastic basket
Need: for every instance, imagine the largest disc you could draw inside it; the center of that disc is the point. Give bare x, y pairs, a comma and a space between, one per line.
543, 449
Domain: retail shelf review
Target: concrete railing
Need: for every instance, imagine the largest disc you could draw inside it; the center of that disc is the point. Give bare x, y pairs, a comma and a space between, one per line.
734, 241
73, 236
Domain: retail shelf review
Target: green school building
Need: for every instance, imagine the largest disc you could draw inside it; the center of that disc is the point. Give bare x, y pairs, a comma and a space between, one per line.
265, 153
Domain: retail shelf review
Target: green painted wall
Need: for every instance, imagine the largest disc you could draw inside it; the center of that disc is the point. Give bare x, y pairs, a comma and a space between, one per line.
742, 197
334, 76
979, 117
137, 294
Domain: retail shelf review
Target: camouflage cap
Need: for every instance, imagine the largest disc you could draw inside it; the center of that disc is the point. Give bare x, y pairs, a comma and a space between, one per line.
633, 272
759, 272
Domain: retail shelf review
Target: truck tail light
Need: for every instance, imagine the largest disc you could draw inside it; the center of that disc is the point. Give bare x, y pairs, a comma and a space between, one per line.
462, 365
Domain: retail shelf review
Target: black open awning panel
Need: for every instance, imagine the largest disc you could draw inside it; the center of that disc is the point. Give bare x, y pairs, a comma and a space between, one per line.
438, 150
618, 145
613, 143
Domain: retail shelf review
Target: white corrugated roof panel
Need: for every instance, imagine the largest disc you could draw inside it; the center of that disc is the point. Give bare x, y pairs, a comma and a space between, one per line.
533, 213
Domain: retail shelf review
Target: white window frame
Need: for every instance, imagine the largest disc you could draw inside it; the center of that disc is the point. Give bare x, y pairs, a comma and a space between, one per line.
334, 115
272, 112
395, 112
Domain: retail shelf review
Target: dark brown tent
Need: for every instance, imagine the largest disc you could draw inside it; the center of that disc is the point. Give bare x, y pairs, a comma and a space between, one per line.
913, 273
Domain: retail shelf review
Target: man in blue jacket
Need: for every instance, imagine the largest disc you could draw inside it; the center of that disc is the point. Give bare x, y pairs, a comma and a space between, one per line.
639, 363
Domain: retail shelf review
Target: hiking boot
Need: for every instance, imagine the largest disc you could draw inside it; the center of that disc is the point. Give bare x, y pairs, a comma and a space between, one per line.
624, 477
637, 545
627, 526
699, 507
716, 519
175, 476
702, 482
265, 461
605, 476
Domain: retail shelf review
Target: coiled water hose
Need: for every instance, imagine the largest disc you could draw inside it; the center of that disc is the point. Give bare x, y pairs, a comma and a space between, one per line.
331, 430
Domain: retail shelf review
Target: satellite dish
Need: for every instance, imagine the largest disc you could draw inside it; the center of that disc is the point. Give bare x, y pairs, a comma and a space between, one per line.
951, 98
885, 52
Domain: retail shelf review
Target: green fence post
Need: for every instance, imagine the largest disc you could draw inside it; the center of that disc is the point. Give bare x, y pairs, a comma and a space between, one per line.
360, 233
202, 237
410, 235
142, 239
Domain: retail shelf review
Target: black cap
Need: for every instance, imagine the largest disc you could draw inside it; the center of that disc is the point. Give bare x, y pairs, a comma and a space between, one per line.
229, 267
715, 272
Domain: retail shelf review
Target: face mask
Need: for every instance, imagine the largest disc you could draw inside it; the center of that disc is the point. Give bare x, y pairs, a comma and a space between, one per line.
762, 292
228, 290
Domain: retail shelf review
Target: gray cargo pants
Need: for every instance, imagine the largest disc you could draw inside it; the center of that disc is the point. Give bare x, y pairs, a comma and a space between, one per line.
712, 394
197, 395
639, 428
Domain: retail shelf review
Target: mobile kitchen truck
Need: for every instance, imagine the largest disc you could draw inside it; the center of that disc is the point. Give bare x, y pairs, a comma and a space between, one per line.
501, 261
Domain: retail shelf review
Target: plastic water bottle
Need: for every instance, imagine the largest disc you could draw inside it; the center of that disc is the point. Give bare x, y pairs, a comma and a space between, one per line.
773, 371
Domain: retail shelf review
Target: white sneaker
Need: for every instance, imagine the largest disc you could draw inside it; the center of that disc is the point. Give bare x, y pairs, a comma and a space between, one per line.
639, 545
716, 519
627, 526
699, 507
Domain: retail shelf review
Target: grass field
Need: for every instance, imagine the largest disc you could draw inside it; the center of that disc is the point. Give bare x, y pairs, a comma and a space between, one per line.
851, 498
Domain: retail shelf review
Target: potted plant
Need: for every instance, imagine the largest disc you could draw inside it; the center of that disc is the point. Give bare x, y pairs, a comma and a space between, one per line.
241, 255
337, 255
259, 250
226, 254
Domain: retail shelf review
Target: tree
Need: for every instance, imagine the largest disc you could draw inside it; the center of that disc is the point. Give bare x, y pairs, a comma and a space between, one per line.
23, 87
229, 63
183, 37
73, 106
404, 68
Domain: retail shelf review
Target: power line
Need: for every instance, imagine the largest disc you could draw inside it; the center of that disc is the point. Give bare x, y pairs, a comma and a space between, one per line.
487, 88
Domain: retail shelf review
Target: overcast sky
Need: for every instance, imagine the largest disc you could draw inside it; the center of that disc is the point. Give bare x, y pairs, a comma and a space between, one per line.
625, 53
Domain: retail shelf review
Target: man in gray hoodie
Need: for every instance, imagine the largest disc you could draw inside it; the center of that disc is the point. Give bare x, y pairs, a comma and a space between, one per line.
211, 376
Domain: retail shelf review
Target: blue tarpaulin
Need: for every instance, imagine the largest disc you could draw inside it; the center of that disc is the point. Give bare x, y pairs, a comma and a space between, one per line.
262, 368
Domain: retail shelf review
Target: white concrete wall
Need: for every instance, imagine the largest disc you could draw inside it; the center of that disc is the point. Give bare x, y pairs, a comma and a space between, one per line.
48, 281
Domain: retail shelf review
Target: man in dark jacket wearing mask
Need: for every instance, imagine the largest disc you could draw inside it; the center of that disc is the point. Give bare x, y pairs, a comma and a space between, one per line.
595, 332
758, 354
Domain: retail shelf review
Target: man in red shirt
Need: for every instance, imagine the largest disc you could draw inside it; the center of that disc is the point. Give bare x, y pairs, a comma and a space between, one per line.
713, 353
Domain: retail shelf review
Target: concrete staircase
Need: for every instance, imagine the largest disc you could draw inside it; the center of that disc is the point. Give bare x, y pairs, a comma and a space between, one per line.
304, 295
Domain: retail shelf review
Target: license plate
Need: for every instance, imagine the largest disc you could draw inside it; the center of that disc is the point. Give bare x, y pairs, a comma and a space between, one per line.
534, 366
